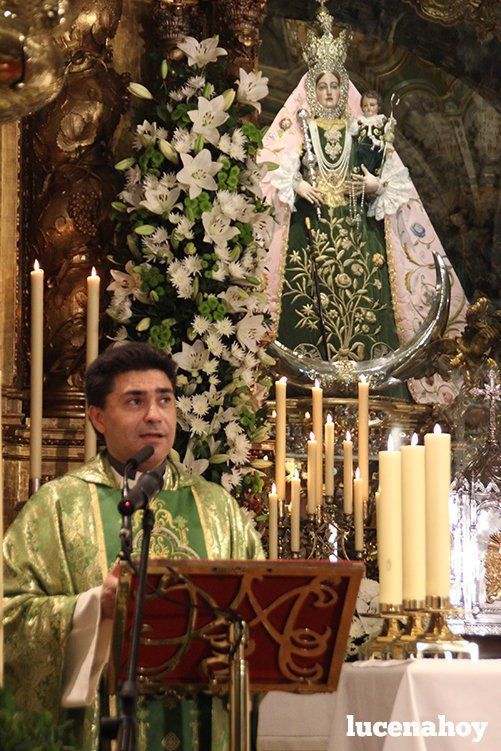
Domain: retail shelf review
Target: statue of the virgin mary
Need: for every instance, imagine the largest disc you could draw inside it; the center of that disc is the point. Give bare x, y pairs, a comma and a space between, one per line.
351, 270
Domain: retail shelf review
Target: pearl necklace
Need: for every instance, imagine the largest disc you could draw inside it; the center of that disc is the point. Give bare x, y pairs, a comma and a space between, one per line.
331, 171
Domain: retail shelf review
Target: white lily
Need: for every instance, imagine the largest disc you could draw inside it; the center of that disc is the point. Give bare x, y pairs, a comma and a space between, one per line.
208, 117
217, 227
192, 358
126, 283
160, 200
194, 466
201, 53
250, 331
148, 134
251, 88
198, 172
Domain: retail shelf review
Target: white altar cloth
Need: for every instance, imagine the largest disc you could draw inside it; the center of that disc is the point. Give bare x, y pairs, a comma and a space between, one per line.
463, 691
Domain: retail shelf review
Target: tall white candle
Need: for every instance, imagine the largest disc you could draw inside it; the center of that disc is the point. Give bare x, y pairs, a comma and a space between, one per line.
295, 511
363, 436
389, 526
312, 475
36, 371
413, 523
358, 508
348, 474
92, 349
438, 479
280, 446
318, 419
329, 456
273, 523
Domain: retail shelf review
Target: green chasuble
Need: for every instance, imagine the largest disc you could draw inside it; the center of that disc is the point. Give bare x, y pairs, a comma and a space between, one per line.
63, 543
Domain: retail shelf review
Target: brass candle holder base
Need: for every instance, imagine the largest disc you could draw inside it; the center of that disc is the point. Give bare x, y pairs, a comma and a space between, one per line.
438, 641
415, 626
387, 645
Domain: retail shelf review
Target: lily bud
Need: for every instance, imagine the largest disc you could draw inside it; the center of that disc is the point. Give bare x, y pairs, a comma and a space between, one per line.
229, 98
199, 144
168, 151
140, 91
164, 69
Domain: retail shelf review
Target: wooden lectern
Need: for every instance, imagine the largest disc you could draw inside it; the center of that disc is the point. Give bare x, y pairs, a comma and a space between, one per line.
234, 626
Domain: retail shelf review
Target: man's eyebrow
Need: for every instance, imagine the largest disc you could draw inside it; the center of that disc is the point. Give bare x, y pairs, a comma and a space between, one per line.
142, 392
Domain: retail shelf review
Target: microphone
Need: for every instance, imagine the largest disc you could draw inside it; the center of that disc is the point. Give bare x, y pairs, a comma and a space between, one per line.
142, 456
148, 485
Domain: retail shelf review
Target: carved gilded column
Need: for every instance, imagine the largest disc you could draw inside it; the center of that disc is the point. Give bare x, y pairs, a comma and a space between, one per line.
239, 24
69, 183
175, 19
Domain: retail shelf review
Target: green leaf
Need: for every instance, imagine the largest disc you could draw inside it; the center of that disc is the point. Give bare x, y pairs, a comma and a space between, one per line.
119, 206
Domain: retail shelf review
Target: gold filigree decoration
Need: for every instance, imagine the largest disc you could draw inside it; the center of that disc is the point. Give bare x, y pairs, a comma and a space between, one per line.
493, 568
482, 14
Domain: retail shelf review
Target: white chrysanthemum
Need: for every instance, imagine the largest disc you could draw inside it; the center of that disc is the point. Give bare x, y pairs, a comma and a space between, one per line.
224, 144
237, 152
233, 145
238, 137
184, 404
196, 82
240, 451
182, 140
184, 229
237, 352
199, 404
230, 480
168, 180
200, 325
133, 176
219, 273
233, 430
214, 343
236, 271
181, 280
215, 381
193, 265
211, 367
235, 206
199, 426
225, 327
177, 95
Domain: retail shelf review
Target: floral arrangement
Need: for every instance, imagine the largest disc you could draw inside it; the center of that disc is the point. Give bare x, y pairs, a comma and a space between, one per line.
189, 270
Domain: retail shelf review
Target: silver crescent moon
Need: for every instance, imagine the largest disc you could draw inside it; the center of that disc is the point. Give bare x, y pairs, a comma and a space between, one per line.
408, 361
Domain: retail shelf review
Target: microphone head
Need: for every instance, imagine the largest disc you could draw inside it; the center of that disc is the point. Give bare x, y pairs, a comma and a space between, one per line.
139, 458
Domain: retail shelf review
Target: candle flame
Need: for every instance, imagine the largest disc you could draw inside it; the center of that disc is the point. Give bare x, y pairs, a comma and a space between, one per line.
274, 489
414, 439
317, 383
265, 457
93, 272
296, 474
348, 435
36, 265
283, 379
307, 415
329, 418
437, 429
358, 474
274, 414
312, 436
363, 379
391, 443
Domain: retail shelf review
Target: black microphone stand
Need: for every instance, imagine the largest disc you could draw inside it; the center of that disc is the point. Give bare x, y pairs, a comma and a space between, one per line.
125, 726
127, 734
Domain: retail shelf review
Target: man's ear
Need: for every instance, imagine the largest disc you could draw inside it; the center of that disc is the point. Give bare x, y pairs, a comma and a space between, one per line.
96, 418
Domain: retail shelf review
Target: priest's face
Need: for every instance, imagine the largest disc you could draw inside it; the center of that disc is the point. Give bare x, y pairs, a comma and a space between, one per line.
139, 411
327, 90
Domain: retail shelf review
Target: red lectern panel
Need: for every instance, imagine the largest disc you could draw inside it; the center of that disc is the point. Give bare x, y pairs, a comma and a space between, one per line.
299, 615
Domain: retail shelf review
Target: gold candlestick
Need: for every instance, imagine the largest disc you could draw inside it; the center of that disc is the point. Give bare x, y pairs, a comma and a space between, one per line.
387, 644
438, 640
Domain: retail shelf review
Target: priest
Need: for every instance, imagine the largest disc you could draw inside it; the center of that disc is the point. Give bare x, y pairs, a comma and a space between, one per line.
60, 557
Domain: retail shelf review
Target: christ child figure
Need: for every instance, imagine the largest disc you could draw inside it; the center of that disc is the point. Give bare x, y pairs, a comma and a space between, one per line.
374, 131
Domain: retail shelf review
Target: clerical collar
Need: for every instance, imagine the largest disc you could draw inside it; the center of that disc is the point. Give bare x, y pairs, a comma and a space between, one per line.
119, 468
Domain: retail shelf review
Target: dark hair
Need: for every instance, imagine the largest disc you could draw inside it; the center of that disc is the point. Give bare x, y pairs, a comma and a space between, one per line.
122, 358
324, 73
373, 94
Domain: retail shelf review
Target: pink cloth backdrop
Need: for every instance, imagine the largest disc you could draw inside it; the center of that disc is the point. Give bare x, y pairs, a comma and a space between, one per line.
410, 241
